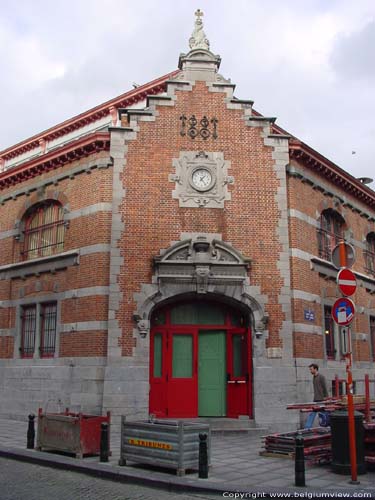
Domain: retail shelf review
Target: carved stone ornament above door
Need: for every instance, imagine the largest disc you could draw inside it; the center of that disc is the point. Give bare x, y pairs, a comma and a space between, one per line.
201, 179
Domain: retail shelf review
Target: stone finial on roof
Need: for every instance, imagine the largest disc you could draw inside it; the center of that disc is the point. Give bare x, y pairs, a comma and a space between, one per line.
198, 39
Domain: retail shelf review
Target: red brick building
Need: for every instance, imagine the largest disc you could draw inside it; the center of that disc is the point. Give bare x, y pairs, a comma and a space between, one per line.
169, 252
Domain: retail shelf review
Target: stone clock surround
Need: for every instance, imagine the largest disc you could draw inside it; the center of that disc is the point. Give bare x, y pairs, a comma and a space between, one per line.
188, 193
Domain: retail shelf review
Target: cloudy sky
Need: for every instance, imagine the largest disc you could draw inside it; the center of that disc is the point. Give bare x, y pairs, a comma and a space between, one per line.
310, 63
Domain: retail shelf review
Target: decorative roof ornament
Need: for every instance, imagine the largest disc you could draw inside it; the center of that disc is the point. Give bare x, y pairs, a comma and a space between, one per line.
198, 39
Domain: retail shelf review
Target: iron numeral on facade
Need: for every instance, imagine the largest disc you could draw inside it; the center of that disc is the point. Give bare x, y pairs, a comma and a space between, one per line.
183, 125
201, 128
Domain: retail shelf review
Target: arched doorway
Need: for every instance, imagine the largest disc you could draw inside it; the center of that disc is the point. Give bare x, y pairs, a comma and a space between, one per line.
200, 361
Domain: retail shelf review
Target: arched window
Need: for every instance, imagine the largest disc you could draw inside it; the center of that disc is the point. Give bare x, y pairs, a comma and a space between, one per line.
370, 253
331, 231
44, 230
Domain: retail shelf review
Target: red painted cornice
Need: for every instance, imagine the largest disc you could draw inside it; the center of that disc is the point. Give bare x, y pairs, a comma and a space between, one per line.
122, 101
319, 163
74, 150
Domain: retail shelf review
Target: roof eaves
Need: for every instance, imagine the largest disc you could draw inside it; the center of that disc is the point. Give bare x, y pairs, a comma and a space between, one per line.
93, 114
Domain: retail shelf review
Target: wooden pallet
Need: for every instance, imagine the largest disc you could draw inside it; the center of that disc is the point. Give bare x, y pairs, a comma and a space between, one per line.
279, 454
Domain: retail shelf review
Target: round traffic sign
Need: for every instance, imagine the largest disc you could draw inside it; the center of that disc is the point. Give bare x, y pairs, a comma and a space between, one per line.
349, 256
346, 281
343, 311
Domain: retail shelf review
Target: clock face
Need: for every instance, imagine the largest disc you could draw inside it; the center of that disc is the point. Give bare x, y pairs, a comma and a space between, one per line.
202, 178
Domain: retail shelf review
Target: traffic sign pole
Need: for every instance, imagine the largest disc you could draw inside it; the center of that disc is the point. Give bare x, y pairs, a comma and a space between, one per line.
351, 428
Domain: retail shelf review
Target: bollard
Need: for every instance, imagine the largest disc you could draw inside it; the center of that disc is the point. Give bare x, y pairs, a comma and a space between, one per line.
31, 432
203, 457
300, 462
104, 442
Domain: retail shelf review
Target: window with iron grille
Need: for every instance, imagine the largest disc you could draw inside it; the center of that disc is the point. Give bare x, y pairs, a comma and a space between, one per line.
372, 335
330, 233
370, 254
38, 328
44, 230
329, 333
48, 329
28, 317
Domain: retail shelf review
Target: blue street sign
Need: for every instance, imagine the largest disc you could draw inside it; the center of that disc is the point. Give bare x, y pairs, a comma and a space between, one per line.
309, 315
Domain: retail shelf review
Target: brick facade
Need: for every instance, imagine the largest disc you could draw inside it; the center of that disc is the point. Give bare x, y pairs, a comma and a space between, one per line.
125, 208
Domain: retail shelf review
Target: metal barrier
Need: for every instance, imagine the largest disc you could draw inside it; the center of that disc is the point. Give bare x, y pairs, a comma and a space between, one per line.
164, 443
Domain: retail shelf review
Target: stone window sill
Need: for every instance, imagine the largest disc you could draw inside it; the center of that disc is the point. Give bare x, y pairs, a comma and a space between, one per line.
49, 264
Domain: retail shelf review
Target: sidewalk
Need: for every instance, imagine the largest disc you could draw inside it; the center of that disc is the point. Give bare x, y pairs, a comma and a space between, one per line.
236, 466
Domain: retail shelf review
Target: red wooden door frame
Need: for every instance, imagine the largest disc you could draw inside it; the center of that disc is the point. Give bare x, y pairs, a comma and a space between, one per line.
161, 389
239, 388
182, 393
158, 400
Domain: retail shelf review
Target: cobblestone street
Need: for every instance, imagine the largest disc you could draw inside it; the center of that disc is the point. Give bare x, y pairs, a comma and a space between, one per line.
24, 481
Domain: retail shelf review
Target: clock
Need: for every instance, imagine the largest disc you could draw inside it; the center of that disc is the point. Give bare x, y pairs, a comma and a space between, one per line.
202, 179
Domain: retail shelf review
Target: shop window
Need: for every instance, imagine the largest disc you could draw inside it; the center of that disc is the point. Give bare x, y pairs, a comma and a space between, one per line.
38, 329
369, 254
330, 233
44, 230
329, 333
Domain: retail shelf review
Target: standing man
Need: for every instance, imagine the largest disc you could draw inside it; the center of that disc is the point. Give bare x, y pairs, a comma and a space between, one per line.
320, 392
319, 383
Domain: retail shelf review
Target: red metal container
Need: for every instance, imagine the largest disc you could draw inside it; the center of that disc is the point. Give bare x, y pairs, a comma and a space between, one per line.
76, 433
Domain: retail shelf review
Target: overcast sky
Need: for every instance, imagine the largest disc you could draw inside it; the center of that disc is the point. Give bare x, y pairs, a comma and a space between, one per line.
310, 63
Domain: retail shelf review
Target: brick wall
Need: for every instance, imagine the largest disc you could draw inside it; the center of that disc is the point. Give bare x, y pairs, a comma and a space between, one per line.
81, 192
306, 202
153, 219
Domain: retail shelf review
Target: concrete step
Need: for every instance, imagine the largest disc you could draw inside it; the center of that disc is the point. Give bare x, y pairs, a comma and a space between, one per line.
230, 425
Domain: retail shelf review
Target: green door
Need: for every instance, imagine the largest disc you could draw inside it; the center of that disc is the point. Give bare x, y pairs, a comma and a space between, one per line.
211, 374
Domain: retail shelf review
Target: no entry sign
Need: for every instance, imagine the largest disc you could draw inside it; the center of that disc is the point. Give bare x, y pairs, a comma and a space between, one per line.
343, 311
346, 281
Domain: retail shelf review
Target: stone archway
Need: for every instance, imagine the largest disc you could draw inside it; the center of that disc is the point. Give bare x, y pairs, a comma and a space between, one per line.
201, 264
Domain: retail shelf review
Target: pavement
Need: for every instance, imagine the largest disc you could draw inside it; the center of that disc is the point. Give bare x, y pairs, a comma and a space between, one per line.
236, 466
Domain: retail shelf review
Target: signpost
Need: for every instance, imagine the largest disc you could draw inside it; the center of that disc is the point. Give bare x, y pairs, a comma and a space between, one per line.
343, 312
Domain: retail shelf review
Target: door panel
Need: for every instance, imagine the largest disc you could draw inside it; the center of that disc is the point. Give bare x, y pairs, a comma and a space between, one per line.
158, 384
182, 375
238, 366
211, 374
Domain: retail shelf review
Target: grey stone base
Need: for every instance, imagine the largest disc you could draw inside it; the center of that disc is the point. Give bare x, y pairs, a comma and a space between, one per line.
51, 384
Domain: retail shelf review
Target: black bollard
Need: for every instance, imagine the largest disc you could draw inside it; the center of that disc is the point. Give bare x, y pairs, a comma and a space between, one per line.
203, 457
104, 442
31, 432
300, 462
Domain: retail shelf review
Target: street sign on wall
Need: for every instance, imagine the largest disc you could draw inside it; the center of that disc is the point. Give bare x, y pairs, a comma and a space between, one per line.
343, 311
346, 281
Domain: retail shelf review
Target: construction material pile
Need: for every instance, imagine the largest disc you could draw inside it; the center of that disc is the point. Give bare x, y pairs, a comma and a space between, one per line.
369, 442
317, 444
